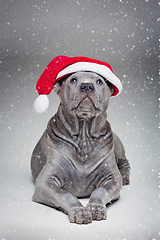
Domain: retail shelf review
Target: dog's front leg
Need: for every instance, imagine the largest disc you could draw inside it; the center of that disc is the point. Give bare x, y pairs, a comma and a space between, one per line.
48, 192
101, 196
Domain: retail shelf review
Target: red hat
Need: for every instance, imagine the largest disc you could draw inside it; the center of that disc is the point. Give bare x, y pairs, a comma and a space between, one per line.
62, 66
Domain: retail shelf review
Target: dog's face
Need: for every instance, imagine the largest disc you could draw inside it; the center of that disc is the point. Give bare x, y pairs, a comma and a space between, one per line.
85, 94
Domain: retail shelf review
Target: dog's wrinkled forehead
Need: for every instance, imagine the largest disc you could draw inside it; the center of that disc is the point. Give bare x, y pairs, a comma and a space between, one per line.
85, 76
82, 76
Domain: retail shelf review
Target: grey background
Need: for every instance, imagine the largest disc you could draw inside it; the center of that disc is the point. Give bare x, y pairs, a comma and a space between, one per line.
123, 33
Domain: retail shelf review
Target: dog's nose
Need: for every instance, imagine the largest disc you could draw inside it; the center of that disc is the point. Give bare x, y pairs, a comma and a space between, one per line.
87, 87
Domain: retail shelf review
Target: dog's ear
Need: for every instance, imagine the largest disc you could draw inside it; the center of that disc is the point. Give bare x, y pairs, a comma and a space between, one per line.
56, 87
110, 87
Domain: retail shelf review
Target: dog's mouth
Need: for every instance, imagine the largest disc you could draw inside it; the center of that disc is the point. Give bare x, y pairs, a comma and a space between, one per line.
86, 101
86, 104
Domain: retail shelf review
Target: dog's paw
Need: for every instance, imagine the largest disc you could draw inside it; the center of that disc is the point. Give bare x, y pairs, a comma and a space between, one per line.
80, 215
125, 180
98, 211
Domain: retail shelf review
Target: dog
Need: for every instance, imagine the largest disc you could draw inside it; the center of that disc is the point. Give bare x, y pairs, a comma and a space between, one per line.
79, 156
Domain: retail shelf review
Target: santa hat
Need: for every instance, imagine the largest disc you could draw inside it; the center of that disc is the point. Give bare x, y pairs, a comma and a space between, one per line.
62, 66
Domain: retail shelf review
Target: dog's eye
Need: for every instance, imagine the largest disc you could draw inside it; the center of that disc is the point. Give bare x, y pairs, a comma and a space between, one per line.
73, 80
99, 81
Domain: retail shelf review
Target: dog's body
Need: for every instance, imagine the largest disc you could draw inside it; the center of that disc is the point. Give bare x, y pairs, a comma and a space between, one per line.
78, 155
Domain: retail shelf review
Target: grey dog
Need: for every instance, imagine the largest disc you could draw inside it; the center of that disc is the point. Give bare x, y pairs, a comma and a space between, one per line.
78, 154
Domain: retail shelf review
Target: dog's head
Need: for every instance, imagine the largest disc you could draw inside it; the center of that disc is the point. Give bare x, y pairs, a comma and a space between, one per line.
85, 94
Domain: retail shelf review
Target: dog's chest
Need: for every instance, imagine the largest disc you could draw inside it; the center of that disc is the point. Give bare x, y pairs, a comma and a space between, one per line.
86, 145
85, 142
82, 179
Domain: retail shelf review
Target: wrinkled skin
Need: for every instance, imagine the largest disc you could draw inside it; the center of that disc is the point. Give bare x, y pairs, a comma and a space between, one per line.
78, 155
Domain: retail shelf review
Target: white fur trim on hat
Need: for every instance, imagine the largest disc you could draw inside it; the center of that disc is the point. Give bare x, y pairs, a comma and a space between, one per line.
102, 70
41, 103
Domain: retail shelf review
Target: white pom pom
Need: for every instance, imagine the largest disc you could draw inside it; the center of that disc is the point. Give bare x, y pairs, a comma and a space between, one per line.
41, 103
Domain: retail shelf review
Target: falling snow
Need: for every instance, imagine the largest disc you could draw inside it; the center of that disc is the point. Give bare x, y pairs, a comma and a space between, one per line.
123, 33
